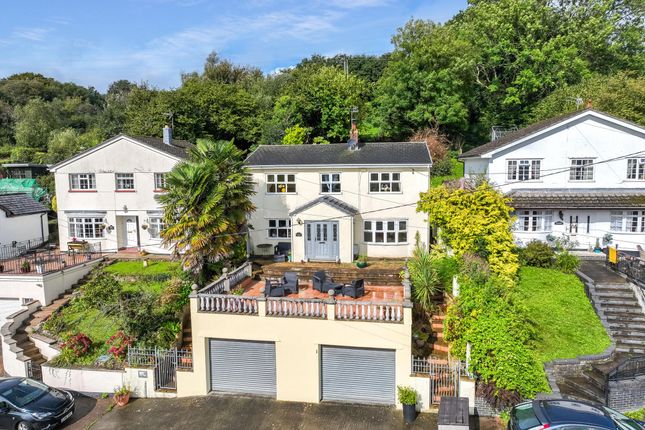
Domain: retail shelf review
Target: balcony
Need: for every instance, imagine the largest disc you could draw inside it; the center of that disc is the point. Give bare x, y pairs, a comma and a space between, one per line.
237, 293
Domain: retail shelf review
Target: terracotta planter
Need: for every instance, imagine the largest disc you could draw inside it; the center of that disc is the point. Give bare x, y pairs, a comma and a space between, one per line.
121, 399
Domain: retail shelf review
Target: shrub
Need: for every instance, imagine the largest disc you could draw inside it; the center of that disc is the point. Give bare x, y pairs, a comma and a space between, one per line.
567, 262
407, 395
78, 344
101, 291
441, 167
537, 254
424, 277
118, 344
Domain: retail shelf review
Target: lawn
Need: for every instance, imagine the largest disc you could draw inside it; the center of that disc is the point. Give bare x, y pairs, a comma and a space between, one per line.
137, 302
457, 172
566, 323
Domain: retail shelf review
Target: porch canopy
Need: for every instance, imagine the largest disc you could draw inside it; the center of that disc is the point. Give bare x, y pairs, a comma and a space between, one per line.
323, 230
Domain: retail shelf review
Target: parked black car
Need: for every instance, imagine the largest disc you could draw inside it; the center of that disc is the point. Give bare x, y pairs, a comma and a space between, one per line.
26, 404
570, 415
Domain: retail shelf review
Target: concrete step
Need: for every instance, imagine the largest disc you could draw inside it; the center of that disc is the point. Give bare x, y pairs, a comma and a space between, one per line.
629, 349
629, 312
440, 347
437, 318
615, 294
619, 303
620, 325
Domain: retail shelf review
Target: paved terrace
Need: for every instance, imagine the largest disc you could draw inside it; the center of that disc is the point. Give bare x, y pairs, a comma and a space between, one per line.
43, 262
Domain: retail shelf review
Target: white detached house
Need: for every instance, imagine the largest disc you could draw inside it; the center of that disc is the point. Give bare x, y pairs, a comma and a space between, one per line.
107, 194
334, 202
581, 174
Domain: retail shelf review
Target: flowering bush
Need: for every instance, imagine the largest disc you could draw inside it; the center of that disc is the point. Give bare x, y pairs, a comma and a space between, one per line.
78, 344
118, 344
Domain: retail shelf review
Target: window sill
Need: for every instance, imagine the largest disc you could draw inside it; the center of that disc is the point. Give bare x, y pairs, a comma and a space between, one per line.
280, 194
159, 191
386, 244
582, 180
82, 191
385, 192
125, 191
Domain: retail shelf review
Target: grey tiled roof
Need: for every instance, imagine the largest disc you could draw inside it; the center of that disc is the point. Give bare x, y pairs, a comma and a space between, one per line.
602, 198
394, 153
16, 204
329, 200
179, 148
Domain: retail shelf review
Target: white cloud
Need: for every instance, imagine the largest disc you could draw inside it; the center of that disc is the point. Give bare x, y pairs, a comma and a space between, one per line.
35, 34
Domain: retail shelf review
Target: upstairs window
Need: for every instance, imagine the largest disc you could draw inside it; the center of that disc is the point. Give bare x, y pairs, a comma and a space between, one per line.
385, 182
82, 181
636, 168
385, 231
281, 183
329, 183
523, 170
279, 228
160, 181
581, 169
124, 181
534, 221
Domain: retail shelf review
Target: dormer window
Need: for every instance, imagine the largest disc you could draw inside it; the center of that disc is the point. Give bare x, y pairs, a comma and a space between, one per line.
636, 169
523, 170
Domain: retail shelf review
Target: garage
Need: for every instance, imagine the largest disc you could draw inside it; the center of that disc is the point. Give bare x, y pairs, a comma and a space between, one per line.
239, 366
358, 375
7, 307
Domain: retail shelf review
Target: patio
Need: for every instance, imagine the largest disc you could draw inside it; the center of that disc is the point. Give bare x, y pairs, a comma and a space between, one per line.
45, 261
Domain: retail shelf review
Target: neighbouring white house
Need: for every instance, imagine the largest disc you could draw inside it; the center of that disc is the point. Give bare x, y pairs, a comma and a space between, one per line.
335, 202
22, 219
581, 174
107, 194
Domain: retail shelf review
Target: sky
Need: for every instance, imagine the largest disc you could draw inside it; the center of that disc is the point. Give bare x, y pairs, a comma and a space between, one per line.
96, 42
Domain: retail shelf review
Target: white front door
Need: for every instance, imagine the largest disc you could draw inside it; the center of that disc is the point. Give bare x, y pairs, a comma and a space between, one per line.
131, 232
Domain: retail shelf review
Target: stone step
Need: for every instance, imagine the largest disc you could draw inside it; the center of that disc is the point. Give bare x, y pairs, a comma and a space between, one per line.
635, 312
440, 346
624, 332
437, 326
629, 349
581, 388
626, 325
437, 318
615, 294
628, 341
620, 303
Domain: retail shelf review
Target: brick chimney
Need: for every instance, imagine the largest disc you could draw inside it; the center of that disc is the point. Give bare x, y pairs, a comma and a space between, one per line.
167, 135
352, 143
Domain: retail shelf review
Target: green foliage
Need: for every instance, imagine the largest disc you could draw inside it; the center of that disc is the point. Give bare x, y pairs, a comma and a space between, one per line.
566, 262
296, 135
319, 140
442, 167
207, 203
136, 268
407, 395
102, 291
565, 323
457, 172
474, 221
424, 277
637, 415
537, 254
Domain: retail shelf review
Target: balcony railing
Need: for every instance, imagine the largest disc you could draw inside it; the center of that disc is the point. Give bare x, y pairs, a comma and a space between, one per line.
16, 249
368, 311
48, 261
228, 280
228, 303
304, 308
630, 266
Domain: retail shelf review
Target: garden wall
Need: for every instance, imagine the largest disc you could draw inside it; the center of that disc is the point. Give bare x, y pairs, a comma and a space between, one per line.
627, 395
12, 357
83, 380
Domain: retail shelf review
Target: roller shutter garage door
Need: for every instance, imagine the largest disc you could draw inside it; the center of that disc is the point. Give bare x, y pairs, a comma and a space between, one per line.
7, 307
358, 375
243, 367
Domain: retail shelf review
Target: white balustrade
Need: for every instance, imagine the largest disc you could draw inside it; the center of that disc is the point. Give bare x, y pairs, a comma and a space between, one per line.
228, 303
306, 308
369, 311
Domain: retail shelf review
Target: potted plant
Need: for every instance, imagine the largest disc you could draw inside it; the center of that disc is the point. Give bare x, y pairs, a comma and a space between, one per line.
408, 398
25, 267
597, 249
122, 395
361, 261
607, 239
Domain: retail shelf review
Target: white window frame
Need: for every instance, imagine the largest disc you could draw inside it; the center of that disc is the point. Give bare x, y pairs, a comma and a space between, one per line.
636, 169
373, 228
523, 169
155, 225
121, 179
160, 181
327, 185
277, 225
279, 183
627, 221
583, 167
534, 221
86, 227
82, 181
385, 182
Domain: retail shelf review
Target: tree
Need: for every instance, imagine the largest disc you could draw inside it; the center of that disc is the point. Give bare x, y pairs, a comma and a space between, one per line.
366, 67
207, 202
621, 95
295, 135
35, 121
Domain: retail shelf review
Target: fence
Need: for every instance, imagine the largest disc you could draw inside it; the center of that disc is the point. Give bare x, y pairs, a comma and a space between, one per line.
46, 261
443, 376
368, 311
16, 249
165, 363
228, 303
629, 265
228, 280
631, 368
308, 308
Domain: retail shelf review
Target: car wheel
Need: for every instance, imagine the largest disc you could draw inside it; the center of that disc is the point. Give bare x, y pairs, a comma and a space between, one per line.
23, 426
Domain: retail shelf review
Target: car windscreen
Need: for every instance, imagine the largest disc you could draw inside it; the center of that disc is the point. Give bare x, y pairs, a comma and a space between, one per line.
625, 423
523, 417
24, 392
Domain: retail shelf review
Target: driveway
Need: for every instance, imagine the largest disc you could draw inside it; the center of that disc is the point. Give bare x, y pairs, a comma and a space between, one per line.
233, 412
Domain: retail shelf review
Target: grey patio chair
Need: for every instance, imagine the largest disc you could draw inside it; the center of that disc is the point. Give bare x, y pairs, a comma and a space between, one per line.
323, 283
290, 282
354, 290
273, 289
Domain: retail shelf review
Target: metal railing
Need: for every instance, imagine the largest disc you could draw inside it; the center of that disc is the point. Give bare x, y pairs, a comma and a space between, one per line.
47, 261
228, 303
630, 266
307, 308
443, 376
369, 311
630, 369
228, 280
16, 249
164, 361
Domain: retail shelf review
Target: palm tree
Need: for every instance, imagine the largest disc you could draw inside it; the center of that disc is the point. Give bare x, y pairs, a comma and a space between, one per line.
206, 204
